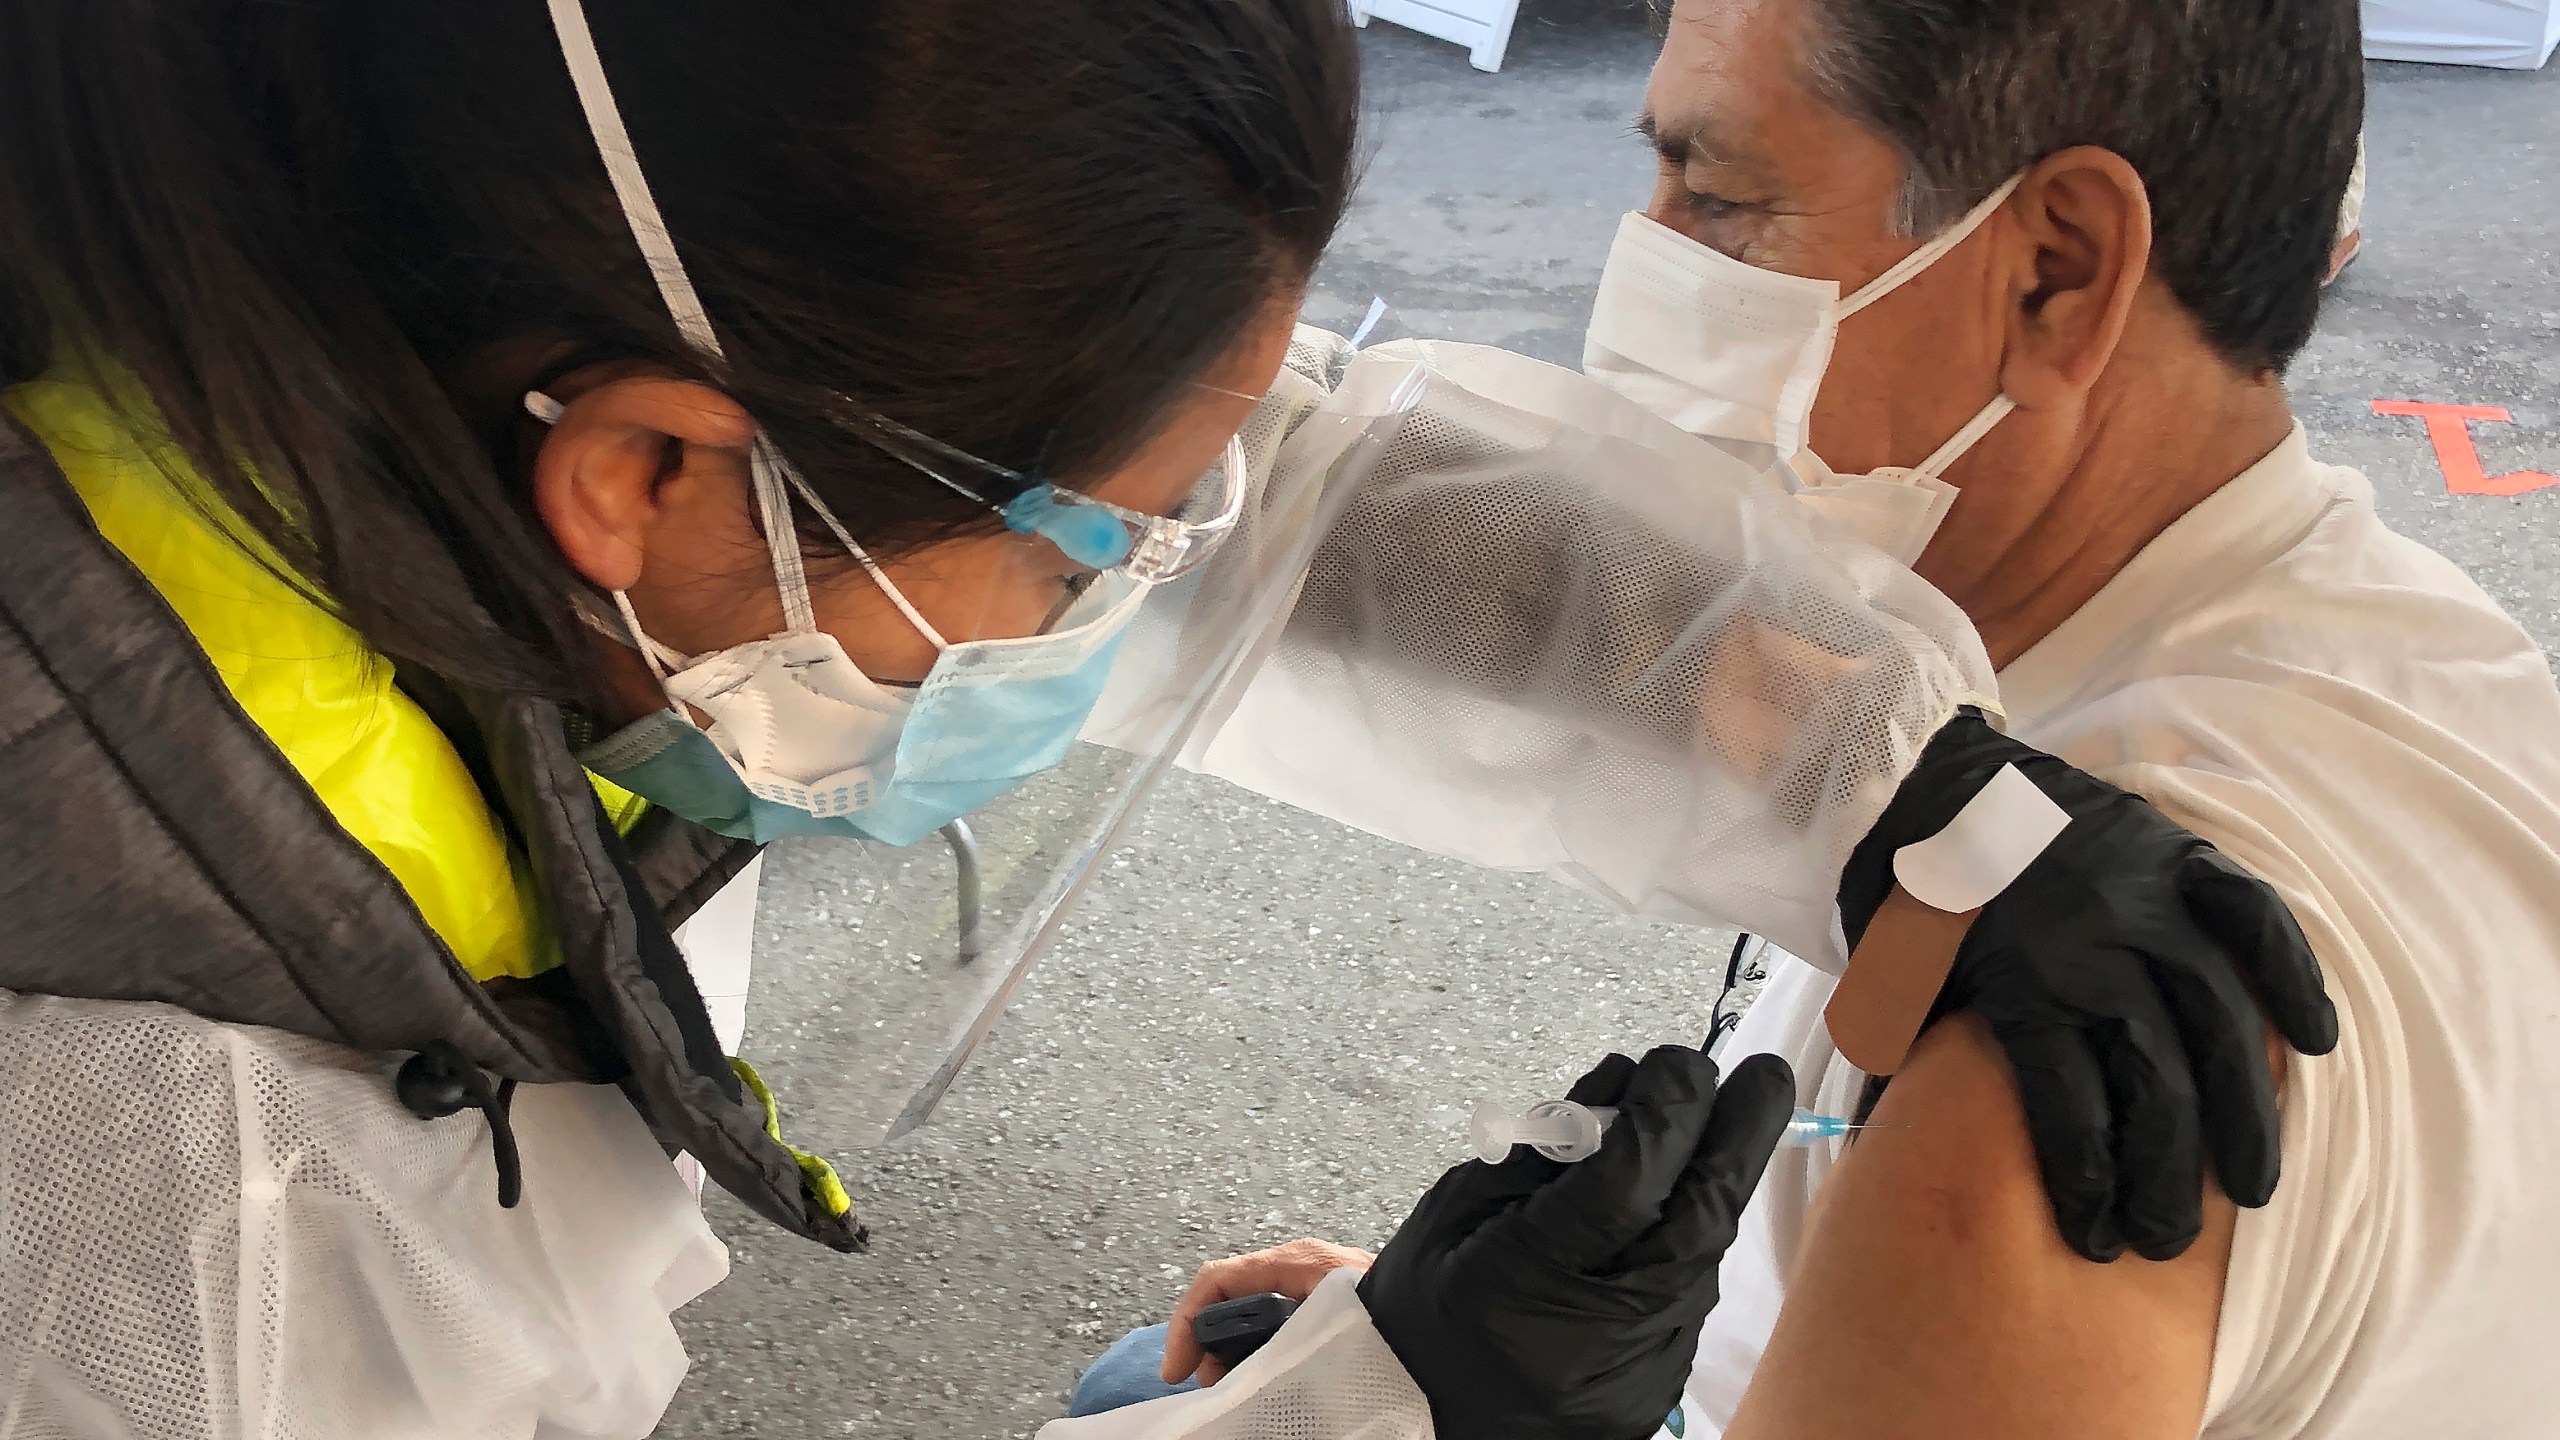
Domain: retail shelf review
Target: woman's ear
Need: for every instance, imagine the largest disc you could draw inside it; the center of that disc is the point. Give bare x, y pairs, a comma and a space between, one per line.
598, 478
2087, 216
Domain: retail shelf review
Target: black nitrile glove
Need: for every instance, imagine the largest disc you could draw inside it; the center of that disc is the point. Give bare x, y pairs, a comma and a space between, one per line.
1563, 1302
2116, 973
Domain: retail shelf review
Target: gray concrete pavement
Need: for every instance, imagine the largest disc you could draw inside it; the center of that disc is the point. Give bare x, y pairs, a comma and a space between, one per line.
1260, 1024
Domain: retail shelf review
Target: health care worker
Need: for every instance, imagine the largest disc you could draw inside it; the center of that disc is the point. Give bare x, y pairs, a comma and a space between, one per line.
349, 293
438, 552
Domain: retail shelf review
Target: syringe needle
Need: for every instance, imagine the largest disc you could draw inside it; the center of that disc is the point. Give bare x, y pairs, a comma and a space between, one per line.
1562, 1130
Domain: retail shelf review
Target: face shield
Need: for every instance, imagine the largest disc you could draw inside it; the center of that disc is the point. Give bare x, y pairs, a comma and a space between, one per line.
937, 938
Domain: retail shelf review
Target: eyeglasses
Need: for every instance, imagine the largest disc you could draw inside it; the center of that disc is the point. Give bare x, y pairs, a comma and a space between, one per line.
1090, 531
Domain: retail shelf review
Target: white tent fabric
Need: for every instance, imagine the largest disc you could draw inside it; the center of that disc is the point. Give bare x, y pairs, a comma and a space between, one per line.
2506, 34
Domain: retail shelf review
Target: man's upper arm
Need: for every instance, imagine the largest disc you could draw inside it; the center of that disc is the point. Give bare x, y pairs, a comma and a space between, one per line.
1933, 1297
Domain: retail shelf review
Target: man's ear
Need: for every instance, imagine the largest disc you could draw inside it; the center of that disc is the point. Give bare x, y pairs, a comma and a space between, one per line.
598, 480
2087, 215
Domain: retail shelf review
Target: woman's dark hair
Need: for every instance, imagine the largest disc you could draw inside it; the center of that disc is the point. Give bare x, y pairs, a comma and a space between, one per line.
332, 239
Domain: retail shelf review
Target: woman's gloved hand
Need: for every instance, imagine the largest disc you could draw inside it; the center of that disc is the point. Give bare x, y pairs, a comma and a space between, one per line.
1563, 1302
2116, 972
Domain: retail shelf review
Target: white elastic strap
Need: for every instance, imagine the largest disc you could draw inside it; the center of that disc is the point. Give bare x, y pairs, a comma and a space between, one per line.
675, 287
1927, 255
622, 166
898, 598
1935, 467
662, 661
773, 498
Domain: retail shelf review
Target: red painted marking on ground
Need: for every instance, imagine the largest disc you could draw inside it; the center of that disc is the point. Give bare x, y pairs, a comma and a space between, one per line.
2449, 430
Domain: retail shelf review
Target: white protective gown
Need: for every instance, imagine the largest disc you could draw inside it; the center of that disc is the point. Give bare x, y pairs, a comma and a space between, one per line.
252, 1219
1552, 633
251, 1223
2350, 717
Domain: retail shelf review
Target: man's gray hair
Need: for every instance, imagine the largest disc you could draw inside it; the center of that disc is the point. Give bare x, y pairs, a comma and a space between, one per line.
2240, 116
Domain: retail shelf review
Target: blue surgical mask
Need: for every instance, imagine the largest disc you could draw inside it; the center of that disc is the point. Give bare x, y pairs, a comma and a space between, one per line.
993, 713
801, 742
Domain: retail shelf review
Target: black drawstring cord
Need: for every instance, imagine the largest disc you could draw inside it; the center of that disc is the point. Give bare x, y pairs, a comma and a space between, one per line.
438, 1081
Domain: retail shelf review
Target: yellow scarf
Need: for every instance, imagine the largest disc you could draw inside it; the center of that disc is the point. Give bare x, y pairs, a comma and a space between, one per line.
324, 697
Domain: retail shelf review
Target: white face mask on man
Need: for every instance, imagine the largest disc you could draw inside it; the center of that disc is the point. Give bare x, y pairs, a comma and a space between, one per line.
1734, 352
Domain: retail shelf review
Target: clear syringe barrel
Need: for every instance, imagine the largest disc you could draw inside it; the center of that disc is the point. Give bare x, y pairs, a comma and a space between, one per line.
1568, 1131
1557, 1129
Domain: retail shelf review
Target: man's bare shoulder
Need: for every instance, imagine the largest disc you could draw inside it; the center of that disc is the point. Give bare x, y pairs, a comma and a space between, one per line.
1933, 1297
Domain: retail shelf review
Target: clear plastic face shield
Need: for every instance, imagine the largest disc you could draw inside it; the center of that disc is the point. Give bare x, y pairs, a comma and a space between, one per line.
941, 937
1073, 655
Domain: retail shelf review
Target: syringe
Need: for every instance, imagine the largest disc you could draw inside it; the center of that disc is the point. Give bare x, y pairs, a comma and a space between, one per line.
1569, 1131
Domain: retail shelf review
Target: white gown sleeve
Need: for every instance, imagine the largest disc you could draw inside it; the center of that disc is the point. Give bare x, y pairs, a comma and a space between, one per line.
220, 1232
1327, 1375
1549, 632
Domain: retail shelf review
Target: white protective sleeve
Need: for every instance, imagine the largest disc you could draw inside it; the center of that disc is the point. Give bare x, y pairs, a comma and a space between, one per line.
1327, 1375
219, 1232
1553, 633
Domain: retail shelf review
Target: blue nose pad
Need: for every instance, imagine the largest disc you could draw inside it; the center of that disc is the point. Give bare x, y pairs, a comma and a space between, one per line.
1088, 536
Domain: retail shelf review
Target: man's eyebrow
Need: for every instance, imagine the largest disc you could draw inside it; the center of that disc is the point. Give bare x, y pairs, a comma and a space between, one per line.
1673, 148
1679, 144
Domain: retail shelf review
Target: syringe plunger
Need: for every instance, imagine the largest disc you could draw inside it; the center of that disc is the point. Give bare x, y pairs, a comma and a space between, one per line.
1557, 1129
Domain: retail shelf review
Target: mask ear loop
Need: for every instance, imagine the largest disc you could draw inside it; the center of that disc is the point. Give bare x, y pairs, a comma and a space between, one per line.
1929, 254
663, 660
844, 537
1935, 467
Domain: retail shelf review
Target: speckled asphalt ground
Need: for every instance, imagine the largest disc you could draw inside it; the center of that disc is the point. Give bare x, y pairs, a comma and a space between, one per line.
1261, 1025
